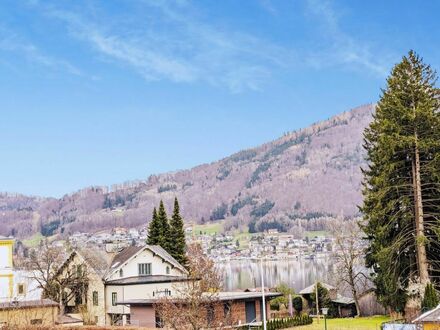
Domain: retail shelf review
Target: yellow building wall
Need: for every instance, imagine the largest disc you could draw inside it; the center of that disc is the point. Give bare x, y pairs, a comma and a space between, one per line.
21, 317
6, 268
431, 326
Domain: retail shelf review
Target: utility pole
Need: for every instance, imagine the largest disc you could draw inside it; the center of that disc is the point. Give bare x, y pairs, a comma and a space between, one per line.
317, 301
263, 298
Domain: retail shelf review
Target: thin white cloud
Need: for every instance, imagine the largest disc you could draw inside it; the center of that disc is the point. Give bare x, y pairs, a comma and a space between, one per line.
343, 49
193, 50
10, 42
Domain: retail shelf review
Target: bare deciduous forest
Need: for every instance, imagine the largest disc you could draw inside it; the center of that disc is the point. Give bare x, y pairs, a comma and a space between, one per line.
300, 179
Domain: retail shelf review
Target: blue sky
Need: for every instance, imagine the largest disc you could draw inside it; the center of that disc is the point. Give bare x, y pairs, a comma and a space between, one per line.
100, 92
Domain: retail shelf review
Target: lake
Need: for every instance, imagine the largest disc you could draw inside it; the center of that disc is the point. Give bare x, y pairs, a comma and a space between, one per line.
298, 274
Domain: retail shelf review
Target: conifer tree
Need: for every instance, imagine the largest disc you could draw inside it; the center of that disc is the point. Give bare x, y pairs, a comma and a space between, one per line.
402, 186
154, 230
430, 300
164, 225
177, 235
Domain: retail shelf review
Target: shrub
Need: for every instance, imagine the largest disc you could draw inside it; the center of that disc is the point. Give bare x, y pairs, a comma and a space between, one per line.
288, 322
430, 299
297, 304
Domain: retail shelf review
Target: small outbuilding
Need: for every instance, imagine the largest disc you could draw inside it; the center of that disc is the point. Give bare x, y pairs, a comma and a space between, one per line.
239, 307
25, 313
429, 320
342, 306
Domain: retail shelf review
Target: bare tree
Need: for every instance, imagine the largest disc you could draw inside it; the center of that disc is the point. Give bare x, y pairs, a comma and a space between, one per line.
349, 257
195, 304
60, 279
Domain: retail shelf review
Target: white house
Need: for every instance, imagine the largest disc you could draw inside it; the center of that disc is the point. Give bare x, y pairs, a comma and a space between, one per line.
139, 272
136, 272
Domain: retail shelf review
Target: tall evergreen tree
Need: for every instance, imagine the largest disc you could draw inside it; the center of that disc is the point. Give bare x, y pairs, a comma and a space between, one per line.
430, 299
177, 235
154, 230
402, 185
163, 221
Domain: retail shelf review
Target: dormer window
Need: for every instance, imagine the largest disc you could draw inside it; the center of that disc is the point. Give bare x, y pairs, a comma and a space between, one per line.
20, 289
121, 273
144, 269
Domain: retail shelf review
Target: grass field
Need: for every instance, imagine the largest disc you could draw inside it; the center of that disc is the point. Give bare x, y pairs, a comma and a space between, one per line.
360, 323
33, 241
209, 228
316, 233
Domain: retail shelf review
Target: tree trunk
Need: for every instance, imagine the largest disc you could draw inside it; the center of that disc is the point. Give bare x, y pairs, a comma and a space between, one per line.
354, 293
61, 302
317, 302
356, 302
422, 264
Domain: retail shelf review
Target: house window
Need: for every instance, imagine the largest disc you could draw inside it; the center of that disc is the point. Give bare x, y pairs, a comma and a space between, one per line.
78, 298
114, 298
95, 298
168, 270
20, 289
227, 309
121, 273
144, 269
210, 314
79, 271
36, 321
96, 320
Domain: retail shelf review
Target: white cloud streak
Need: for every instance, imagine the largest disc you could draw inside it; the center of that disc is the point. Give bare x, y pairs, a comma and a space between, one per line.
10, 42
194, 52
344, 48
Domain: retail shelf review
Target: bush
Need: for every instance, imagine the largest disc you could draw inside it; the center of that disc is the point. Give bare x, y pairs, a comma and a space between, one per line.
288, 322
297, 304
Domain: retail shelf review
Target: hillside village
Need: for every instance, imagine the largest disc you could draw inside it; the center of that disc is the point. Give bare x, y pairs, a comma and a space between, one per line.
219, 246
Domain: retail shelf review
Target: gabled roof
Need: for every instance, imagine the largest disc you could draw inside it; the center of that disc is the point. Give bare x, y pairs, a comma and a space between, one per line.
343, 300
28, 304
125, 255
429, 316
94, 258
311, 288
165, 255
131, 251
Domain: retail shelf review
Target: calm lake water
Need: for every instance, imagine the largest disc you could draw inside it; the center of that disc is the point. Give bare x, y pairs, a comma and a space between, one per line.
298, 274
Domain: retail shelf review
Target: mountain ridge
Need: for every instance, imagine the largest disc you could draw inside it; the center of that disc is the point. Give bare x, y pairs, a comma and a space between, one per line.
276, 182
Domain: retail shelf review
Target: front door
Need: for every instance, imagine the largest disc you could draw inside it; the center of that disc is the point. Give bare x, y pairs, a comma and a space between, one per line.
251, 314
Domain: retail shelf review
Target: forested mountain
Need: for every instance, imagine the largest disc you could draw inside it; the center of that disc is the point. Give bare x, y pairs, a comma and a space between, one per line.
304, 176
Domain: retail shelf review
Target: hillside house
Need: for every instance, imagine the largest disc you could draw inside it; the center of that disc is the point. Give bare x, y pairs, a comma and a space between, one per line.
135, 272
124, 289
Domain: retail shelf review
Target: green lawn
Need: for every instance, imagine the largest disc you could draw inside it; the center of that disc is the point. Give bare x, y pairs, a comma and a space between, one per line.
360, 323
33, 241
316, 233
243, 238
209, 228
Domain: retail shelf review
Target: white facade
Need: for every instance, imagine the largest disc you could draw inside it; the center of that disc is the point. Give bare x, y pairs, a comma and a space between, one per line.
116, 292
130, 267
